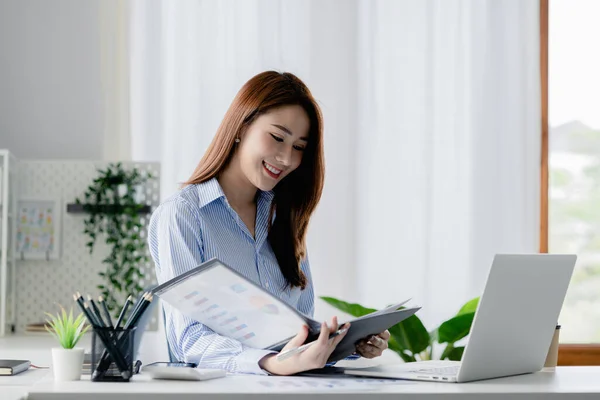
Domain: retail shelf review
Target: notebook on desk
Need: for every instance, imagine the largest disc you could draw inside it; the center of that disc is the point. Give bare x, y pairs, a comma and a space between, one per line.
13, 367
230, 304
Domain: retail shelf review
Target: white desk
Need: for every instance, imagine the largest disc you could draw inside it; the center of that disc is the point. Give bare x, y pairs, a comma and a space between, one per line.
36, 347
565, 383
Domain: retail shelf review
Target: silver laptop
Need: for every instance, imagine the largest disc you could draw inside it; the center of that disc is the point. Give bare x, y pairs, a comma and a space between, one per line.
512, 328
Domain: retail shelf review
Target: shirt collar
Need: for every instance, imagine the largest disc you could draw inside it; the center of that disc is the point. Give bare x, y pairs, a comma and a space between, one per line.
265, 196
210, 191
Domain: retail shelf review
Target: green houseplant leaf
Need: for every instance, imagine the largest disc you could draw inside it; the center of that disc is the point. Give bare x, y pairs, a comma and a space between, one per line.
113, 214
455, 328
411, 335
407, 338
459, 326
410, 339
453, 353
353, 309
456, 353
469, 307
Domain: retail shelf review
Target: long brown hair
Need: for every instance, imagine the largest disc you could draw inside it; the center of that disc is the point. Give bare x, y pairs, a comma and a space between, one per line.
298, 194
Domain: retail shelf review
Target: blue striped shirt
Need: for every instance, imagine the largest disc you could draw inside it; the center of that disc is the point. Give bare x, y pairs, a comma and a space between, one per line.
195, 225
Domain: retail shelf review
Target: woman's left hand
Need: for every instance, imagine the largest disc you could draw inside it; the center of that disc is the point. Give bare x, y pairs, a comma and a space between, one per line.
374, 345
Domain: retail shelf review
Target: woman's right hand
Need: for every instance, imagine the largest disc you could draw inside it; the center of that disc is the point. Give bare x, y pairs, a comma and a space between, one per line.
314, 357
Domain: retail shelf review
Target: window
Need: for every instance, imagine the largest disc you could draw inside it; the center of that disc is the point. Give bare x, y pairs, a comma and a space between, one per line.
573, 140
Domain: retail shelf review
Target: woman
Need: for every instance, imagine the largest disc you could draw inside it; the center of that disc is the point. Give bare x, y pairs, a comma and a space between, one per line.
248, 203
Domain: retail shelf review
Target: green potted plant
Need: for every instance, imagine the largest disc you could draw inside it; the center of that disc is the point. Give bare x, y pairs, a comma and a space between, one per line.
114, 212
412, 341
67, 360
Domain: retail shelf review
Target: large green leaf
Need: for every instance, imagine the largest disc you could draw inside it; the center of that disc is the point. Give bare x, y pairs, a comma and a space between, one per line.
455, 328
452, 353
408, 337
456, 353
469, 307
411, 335
395, 347
407, 357
351, 308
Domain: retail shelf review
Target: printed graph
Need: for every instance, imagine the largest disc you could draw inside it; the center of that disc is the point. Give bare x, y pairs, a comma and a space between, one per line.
219, 315
228, 321
239, 328
238, 288
191, 295
212, 307
201, 301
264, 305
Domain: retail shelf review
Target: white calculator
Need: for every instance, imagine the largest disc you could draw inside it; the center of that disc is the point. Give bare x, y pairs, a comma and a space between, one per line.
181, 371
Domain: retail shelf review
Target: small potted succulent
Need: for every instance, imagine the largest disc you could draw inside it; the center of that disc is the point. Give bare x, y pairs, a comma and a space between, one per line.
67, 360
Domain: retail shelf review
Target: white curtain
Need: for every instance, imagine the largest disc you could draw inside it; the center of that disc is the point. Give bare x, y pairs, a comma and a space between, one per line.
449, 139
189, 58
431, 127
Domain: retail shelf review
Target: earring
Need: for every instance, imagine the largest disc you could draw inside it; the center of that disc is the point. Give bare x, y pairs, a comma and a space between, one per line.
237, 140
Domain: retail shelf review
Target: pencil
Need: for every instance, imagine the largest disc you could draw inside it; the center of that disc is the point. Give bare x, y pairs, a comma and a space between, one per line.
139, 311
106, 313
96, 311
137, 305
77, 297
123, 311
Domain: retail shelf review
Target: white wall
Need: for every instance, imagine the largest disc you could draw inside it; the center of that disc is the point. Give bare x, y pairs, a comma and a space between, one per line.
51, 89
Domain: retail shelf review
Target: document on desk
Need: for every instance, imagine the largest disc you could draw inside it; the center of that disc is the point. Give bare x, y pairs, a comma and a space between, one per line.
232, 305
298, 384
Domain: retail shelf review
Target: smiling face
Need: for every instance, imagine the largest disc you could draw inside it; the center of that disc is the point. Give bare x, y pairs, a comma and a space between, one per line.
272, 146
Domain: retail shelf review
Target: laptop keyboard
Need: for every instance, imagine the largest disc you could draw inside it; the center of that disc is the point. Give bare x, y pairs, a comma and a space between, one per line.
451, 370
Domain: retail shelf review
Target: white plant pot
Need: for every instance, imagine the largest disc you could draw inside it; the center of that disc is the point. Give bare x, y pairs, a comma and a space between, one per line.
67, 364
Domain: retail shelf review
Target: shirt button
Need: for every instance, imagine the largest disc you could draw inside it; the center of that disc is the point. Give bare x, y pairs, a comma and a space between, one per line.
267, 285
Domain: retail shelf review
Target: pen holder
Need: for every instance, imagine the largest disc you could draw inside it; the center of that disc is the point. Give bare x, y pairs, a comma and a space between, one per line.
112, 354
